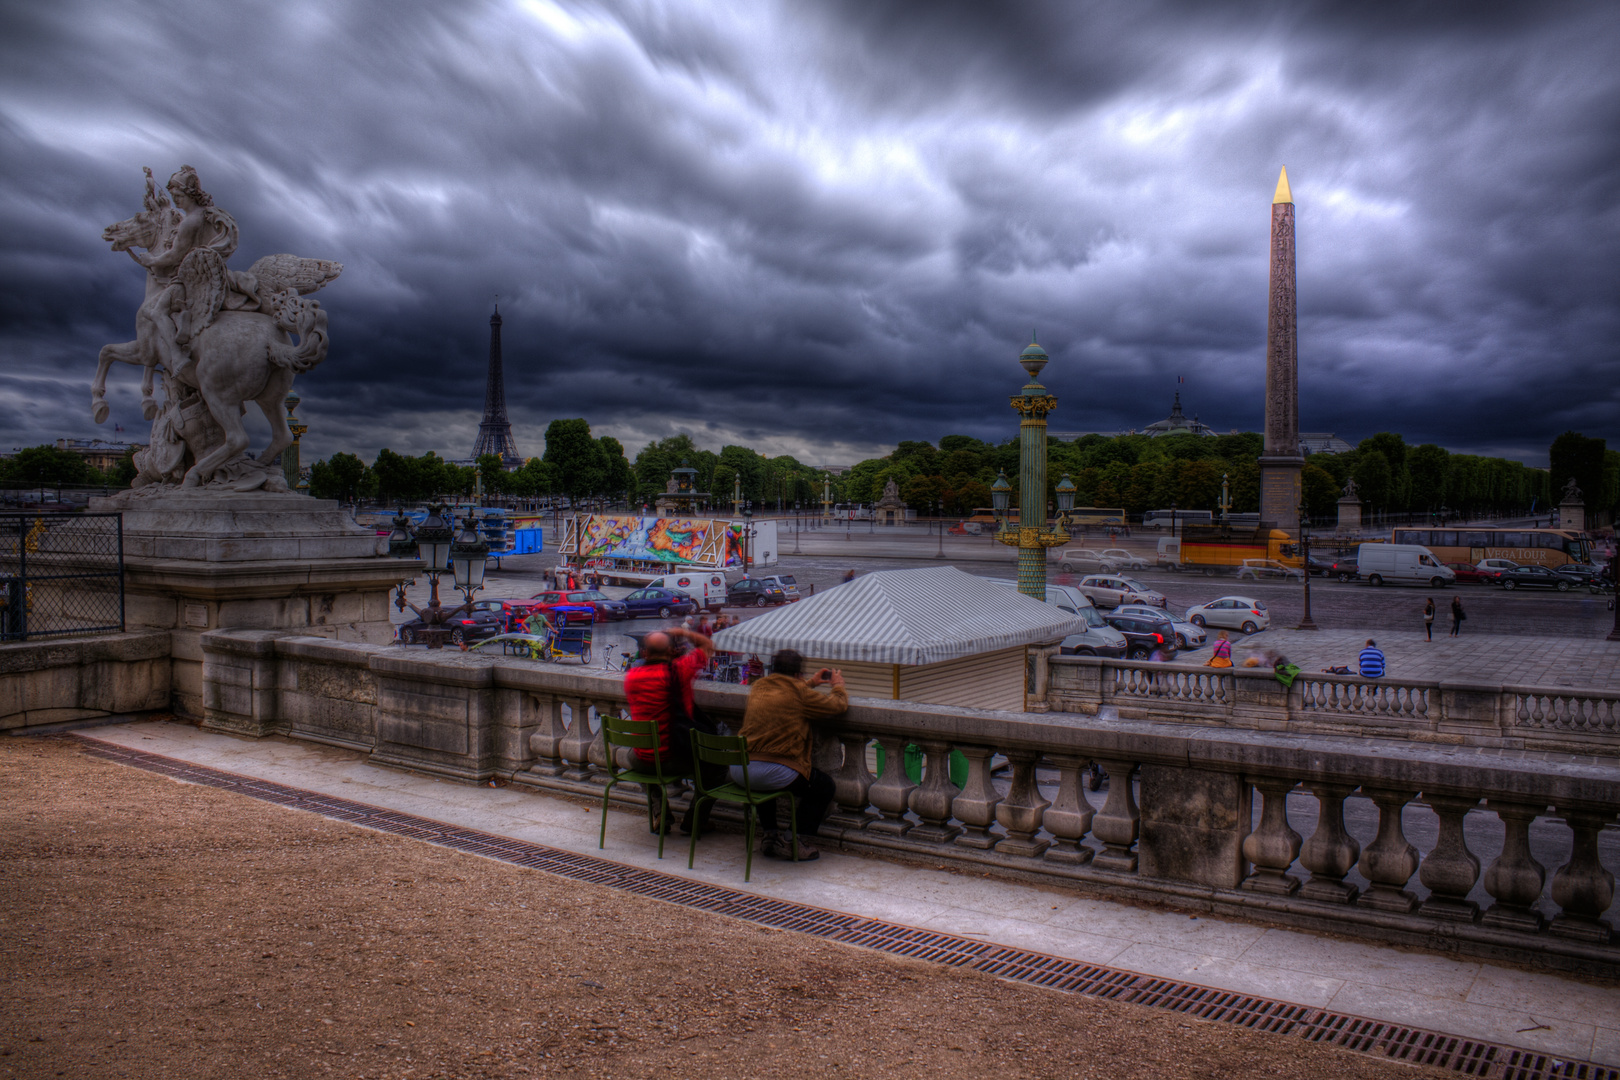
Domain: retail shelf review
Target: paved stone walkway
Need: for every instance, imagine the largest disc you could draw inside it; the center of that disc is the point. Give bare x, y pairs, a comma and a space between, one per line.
1558, 1015
1494, 659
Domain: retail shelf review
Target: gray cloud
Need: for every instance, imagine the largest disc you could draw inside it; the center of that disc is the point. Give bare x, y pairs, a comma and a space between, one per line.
823, 228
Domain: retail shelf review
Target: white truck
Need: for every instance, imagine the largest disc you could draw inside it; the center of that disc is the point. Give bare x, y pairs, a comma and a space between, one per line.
1409, 564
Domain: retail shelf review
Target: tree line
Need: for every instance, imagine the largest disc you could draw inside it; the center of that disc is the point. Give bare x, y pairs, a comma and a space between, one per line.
1133, 472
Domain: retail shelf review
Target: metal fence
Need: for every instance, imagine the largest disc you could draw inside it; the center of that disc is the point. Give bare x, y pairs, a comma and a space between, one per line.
60, 574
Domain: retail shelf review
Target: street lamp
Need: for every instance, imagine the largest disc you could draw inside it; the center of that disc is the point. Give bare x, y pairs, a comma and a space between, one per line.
940, 503
438, 545
748, 533
1172, 519
402, 545
1065, 504
469, 557
1226, 500
798, 525
1305, 548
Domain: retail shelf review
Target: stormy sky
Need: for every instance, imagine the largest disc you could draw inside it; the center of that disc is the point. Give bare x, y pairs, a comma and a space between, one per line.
818, 228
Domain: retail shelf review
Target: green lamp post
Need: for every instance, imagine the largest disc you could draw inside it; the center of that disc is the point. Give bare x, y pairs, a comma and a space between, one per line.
1031, 537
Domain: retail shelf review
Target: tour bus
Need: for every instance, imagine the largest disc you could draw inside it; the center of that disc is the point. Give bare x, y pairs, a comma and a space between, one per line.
1551, 548
1161, 519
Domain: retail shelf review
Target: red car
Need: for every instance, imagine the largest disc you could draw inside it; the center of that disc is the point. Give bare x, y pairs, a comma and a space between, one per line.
1469, 574
605, 607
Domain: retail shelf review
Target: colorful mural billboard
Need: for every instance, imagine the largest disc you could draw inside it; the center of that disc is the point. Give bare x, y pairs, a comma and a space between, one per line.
701, 541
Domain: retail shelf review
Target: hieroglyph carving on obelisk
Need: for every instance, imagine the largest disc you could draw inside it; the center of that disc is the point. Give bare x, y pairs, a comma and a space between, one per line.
1281, 462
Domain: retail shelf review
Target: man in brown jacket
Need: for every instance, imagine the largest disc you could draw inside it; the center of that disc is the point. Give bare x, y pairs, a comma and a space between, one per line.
781, 706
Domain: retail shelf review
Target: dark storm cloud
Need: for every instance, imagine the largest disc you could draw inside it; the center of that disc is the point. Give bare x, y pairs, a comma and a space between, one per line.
822, 228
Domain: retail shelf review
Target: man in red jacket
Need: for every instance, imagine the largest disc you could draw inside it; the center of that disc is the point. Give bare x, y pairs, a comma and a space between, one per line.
652, 687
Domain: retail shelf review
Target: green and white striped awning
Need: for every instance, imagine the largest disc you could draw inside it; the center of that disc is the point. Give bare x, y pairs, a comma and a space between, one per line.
918, 616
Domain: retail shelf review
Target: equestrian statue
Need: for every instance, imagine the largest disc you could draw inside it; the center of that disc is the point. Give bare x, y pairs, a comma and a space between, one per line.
220, 337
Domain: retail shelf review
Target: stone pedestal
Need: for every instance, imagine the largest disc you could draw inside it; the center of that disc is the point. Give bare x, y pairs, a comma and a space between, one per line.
1349, 514
202, 560
1280, 492
1572, 515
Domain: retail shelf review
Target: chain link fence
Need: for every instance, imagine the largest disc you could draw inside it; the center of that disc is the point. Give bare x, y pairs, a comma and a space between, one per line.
60, 575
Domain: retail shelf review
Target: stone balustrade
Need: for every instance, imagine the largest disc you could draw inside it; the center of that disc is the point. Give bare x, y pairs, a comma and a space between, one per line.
1470, 714
1239, 820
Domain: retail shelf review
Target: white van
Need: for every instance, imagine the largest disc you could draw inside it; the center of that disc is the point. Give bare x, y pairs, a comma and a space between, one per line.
1411, 564
706, 587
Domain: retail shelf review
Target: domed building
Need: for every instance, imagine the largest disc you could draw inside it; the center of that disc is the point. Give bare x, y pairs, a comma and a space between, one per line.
1177, 422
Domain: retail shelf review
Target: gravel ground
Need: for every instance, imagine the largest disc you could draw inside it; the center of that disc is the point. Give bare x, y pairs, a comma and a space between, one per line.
156, 929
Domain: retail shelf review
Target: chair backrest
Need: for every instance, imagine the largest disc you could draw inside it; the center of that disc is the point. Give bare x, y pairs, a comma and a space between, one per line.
719, 749
633, 734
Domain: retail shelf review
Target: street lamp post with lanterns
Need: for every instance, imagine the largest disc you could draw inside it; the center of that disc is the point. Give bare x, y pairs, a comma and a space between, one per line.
1307, 623
1030, 537
437, 543
940, 505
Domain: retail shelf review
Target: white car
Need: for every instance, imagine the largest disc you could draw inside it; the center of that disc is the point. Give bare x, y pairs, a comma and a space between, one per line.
1188, 635
1236, 612
1085, 561
1495, 566
1107, 591
1124, 560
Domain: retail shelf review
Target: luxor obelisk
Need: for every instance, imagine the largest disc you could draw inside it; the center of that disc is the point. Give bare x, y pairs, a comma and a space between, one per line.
1281, 462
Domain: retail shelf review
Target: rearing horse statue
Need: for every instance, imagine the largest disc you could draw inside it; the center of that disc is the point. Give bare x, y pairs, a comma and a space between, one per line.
222, 338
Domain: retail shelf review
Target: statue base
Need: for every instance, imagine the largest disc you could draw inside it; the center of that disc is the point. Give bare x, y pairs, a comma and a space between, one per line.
197, 560
1281, 491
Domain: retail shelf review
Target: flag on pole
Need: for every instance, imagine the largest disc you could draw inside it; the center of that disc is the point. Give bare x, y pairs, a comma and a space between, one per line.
117, 427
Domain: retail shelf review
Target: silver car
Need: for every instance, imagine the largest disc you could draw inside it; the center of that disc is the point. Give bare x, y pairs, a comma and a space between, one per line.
1085, 561
1107, 591
1124, 560
1188, 635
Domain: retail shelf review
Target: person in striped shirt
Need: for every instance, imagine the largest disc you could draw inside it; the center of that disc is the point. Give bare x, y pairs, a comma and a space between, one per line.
1372, 661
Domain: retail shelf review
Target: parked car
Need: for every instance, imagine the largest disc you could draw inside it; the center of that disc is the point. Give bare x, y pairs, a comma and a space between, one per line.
1124, 560
1143, 634
1496, 565
1067, 597
1536, 577
1253, 569
605, 606
1188, 635
464, 629
1085, 561
1346, 569
509, 610
1321, 567
659, 603
752, 592
1106, 591
1237, 612
1098, 639
785, 582
1469, 574
1583, 573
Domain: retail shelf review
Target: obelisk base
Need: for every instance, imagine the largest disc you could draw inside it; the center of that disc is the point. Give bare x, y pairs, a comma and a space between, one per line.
1280, 492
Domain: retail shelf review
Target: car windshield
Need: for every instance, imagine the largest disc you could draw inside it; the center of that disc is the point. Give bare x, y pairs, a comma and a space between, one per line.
1132, 583
1093, 618
786, 579
1258, 606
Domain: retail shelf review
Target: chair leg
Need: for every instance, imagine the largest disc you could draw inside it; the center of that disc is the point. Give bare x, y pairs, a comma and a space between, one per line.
663, 818
601, 840
697, 828
793, 824
748, 840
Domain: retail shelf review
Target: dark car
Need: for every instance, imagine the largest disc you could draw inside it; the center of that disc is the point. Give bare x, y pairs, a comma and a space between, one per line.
604, 607
1143, 635
1536, 577
1469, 574
750, 592
511, 612
1345, 569
1321, 567
465, 628
658, 603
1582, 573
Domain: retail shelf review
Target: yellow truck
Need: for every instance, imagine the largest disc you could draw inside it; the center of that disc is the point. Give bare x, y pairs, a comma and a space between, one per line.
1219, 550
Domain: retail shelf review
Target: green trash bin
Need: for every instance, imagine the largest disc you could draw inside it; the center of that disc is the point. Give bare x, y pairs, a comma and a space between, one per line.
914, 758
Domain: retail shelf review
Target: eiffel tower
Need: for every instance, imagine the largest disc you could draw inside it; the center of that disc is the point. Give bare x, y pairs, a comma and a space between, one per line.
495, 430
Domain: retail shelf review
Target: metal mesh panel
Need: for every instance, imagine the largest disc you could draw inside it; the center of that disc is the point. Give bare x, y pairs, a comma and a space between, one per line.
60, 574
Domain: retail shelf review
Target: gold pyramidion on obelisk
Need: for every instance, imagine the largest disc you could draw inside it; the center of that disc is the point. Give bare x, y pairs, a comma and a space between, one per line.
1281, 463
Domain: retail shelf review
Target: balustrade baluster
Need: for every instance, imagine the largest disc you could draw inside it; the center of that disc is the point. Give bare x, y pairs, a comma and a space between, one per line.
851, 785
1020, 812
1331, 851
546, 742
576, 745
1119, 822
1389, 862
1274, 846
1582, 888
1514, 879
975, 805
1450, 870
932, 801
892, 792
1068, 819
598, 750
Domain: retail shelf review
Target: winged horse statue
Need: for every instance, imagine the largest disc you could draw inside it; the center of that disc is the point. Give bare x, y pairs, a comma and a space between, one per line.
221, 338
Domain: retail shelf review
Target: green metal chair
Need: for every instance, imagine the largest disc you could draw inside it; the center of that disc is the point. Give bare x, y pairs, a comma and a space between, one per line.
637, 735
729, 750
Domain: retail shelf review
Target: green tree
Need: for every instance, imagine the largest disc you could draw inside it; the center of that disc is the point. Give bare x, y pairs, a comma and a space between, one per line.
922, 493
971, 495
492, 474
341, 476
46, 466
1374, 479
1427, 466
617, 477
1320, 490
576, 458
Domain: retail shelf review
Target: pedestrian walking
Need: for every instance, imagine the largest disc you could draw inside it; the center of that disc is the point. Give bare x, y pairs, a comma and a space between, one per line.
1457, 616
1428, 619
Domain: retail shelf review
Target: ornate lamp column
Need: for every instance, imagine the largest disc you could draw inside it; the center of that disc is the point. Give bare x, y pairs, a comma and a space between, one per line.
1031, 539
289, 457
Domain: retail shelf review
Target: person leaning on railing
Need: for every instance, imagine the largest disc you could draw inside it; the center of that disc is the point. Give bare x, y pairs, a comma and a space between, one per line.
781, 706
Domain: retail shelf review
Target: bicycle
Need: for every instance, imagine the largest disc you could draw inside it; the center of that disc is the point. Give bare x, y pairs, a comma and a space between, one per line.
622, 664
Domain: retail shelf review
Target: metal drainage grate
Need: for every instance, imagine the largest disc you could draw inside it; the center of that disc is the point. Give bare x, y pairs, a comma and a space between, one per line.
1469, 1057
